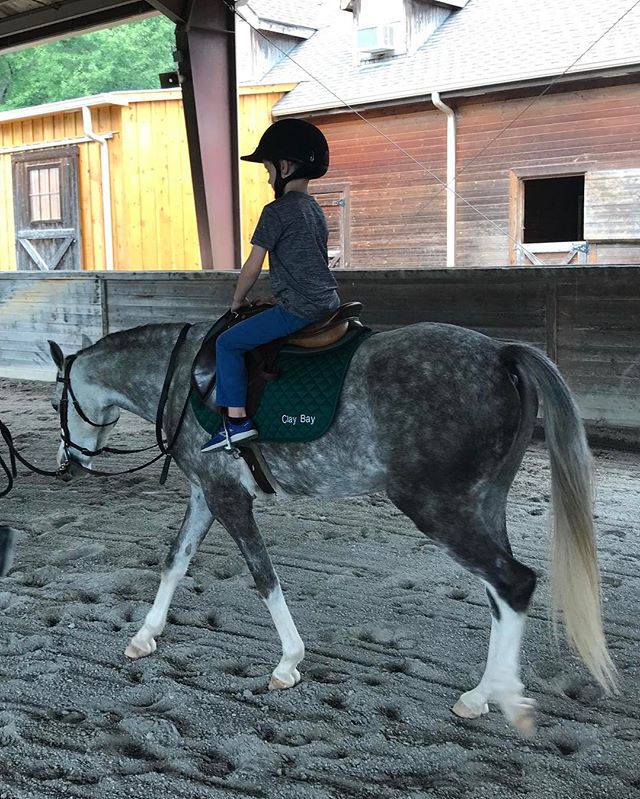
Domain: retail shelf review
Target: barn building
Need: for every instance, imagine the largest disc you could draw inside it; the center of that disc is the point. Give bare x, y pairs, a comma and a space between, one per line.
535, 107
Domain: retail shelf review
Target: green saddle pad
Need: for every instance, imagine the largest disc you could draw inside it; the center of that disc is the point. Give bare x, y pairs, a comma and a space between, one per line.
301, 404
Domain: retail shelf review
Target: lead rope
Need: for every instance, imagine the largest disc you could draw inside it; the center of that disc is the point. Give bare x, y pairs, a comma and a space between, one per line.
10, 471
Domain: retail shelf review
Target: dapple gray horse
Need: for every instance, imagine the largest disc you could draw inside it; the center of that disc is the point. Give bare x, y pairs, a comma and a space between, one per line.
437, 416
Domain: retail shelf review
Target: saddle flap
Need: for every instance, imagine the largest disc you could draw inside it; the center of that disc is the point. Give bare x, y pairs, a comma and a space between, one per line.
203, 370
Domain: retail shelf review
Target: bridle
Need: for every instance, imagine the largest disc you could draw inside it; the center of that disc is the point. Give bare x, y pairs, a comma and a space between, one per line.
68, 395
63, 410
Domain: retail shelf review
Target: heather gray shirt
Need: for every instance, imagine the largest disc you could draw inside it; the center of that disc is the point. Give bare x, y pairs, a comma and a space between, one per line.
294, 231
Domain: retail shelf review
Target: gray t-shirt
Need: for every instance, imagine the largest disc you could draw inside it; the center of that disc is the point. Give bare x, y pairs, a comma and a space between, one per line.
294, 231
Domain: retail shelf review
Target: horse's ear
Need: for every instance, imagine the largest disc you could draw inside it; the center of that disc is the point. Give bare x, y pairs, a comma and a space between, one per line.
86, 341
56, 354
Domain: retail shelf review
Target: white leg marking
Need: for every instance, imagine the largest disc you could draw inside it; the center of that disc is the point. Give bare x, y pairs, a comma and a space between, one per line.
197, 521
285, 675
474, 704
501, 680
143, 642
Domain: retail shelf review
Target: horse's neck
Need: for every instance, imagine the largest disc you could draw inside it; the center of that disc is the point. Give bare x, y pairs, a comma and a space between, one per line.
132, 376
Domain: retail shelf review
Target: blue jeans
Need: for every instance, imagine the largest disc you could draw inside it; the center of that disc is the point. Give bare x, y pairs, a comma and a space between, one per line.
231, 372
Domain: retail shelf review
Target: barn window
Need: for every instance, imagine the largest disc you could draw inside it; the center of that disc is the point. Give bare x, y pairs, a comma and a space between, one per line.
44, 193
553, 209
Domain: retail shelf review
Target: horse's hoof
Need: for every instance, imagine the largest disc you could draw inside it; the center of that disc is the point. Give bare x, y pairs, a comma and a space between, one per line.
276, 684
464, 711
521, 713
140, 650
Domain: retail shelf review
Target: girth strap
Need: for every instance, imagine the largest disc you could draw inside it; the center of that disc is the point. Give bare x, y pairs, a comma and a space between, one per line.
258, 467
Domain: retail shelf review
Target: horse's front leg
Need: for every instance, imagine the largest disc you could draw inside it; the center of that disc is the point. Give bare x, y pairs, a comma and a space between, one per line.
195, 525
233, 508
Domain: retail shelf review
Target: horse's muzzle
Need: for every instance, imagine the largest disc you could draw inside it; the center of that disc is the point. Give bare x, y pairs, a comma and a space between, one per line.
64, 472
68, 466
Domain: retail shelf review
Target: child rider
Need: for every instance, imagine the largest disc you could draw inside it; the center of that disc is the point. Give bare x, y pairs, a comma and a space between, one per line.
293, 230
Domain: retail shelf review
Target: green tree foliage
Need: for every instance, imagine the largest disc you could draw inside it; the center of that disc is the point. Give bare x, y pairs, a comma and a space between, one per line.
122, 58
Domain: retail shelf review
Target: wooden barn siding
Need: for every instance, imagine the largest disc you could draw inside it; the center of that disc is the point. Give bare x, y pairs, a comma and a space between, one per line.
596, 128
398, 211
7, 218
397, 217
588, 318
155, 206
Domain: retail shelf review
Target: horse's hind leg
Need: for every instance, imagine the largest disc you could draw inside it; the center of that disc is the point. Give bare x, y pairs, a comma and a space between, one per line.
233, 508
510, 586
501, 679
195, 525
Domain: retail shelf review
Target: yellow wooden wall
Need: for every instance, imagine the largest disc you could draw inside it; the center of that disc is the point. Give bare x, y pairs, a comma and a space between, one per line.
153, 211
152, 206
155, 198
254, 117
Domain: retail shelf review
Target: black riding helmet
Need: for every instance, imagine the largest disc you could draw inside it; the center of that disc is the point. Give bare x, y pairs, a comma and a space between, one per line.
293, 140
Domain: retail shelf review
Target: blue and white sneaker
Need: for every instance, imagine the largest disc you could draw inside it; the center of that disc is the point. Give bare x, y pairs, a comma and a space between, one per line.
230, 433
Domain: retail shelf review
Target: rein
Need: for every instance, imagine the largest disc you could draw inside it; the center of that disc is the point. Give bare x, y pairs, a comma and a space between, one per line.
69, 395
10, 471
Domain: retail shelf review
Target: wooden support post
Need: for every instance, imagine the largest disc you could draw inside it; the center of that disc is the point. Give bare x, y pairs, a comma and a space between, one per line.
206, 46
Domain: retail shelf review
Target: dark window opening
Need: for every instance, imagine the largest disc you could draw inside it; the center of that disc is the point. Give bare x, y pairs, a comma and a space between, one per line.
553, 209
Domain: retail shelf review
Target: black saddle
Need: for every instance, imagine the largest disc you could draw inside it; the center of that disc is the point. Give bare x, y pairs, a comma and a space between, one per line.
319, 336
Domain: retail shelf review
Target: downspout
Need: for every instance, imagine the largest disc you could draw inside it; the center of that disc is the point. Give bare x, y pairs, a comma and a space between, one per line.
106, 185
451, 176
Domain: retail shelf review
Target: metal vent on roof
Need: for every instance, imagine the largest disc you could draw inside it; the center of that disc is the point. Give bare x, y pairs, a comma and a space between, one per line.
377, 40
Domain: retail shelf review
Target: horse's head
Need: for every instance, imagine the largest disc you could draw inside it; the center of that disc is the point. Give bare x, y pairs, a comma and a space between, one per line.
86, 416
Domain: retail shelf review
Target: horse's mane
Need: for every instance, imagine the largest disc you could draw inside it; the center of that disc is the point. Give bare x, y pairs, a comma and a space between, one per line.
131, 336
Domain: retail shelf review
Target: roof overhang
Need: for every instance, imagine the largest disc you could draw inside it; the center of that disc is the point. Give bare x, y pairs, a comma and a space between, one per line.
25, 23
264, 23
523, 87
122, 99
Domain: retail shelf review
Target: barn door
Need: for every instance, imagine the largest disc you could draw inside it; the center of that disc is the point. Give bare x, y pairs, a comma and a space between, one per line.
334, 201
45, 198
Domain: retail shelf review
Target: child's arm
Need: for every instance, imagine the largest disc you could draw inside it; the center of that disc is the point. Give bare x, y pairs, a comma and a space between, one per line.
249, 273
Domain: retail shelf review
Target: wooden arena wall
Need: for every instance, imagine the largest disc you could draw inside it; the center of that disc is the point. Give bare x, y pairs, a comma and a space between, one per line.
586, 318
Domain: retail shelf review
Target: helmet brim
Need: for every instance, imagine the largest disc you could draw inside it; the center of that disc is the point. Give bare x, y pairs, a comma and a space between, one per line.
255, 157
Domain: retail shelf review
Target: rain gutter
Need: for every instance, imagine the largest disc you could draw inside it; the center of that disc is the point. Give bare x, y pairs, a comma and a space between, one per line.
451, 176
105, 182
